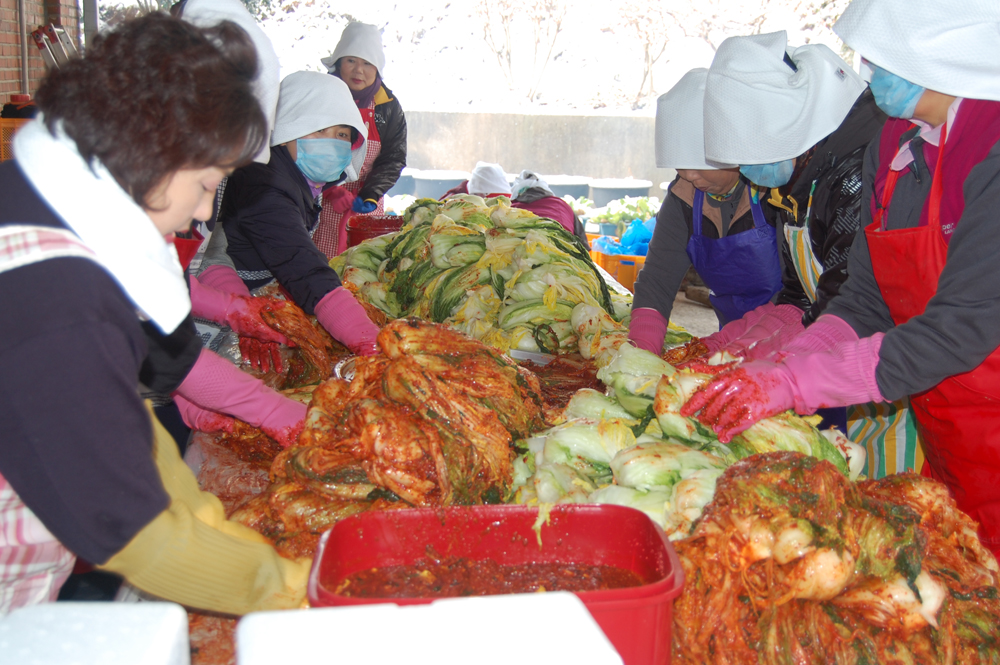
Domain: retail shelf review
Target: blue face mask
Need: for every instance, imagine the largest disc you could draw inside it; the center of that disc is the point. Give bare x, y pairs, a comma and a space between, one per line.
894, 94
322, 160
769, 175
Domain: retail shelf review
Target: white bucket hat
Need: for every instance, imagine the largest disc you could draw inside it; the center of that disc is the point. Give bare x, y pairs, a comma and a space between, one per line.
488, 178
950, 46
680, 137
311, 101
758, 110
208, 13
360, 40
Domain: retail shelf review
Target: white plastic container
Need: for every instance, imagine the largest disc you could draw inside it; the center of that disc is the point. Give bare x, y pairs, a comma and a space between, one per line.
96, 633
487, 630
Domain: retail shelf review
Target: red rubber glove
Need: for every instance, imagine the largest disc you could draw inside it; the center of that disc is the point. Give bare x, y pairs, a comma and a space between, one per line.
339, 199
214, 384
646, 329
345, 319
223, 278
837, 376
258, 341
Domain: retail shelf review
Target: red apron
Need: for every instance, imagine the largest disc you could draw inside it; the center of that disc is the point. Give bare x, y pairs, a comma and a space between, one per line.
959, 419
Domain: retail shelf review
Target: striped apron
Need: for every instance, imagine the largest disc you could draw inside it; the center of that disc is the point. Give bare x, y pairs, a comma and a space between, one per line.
887, 431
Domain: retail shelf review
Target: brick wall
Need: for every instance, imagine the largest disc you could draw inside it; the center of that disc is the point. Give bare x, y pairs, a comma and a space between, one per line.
64, 13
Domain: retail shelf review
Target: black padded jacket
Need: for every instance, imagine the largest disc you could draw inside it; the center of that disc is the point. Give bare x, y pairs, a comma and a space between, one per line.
834, 165
391, 125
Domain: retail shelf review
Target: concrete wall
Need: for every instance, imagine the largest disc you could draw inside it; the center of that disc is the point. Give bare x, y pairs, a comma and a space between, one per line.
63, 13
594, 146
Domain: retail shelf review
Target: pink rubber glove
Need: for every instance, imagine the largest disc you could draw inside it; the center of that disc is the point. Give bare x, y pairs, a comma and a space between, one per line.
223, 278
647, 329
339, 199
827, 331
345, 319
201, 419
838, 376
258, 341
734, 329
779, 325
216, 385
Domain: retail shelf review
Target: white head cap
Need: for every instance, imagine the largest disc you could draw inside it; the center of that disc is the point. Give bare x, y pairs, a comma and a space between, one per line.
207, 13
680, 136
360, 40
488, 178
758, 110
950, 46
529, 180
311, 101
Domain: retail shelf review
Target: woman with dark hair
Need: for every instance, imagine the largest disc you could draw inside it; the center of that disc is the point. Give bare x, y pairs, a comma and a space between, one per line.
132, 141
358, 61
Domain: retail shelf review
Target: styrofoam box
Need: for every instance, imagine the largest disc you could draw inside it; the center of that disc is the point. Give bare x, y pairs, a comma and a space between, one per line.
552, 627
96, 633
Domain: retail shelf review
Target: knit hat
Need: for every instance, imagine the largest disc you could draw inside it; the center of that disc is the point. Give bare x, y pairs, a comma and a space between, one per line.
311, 101
950, 46
680, 137
759, 110
361, 40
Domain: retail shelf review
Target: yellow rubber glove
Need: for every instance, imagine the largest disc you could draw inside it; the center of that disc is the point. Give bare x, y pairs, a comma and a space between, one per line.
191, 554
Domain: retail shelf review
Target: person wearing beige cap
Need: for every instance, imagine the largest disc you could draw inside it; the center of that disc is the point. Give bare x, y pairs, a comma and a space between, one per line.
269, 210
712, 219
359, 61
919, 315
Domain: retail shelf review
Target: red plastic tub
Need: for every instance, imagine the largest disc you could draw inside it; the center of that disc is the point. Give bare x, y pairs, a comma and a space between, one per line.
363, 227
637, 620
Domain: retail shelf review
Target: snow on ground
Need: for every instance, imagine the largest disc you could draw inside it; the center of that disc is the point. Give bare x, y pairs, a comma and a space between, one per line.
438, 60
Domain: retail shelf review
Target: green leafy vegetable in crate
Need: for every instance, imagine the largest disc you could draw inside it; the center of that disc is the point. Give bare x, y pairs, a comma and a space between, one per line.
623, 211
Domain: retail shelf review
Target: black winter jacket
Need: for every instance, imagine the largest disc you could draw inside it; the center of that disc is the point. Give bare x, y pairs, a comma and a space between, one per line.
391, 125
834, 164
268, 212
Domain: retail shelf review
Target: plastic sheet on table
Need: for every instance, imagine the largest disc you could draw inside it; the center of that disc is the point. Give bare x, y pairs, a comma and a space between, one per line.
222, 473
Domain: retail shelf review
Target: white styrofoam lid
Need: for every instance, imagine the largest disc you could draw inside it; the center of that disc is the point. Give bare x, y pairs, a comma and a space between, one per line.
550, 627
96, 634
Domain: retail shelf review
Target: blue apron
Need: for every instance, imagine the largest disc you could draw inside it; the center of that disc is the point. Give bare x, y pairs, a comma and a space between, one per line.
743, 270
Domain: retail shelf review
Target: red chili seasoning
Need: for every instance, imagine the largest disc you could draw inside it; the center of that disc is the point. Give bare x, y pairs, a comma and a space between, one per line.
459, 576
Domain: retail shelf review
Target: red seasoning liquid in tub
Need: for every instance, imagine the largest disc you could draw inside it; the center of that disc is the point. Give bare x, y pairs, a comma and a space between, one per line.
458, 576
